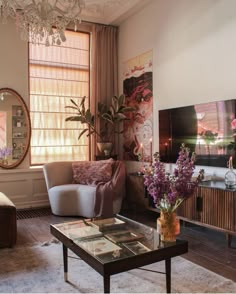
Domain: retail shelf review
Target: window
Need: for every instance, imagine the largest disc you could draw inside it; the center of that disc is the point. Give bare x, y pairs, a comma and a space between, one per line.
58, 74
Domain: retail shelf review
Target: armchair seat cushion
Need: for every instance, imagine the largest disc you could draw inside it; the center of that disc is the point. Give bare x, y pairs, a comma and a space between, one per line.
73, 199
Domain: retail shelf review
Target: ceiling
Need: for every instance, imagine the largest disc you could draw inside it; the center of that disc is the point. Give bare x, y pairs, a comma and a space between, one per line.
111, 12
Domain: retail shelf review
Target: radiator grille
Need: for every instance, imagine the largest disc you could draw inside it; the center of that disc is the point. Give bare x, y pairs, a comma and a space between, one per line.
32, 213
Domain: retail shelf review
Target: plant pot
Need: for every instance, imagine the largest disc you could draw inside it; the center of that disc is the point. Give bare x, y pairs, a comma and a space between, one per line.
105, 148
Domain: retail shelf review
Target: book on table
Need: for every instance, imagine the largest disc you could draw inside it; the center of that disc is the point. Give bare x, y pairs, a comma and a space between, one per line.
99, 246
107, 223
136, 247
82, 233
124, 236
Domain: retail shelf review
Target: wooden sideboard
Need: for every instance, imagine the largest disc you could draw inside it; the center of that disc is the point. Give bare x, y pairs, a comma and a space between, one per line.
136, 196
212, 206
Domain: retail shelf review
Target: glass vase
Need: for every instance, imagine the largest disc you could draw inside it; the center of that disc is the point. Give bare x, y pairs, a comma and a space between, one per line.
230, 176
168, 226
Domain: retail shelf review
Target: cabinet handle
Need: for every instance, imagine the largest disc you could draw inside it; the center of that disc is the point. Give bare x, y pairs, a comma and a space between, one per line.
199, 203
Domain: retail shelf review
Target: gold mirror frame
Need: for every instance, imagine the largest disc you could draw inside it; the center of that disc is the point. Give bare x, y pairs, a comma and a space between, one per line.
16, 123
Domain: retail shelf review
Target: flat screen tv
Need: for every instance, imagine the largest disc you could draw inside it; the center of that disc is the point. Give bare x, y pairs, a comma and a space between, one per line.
209, 129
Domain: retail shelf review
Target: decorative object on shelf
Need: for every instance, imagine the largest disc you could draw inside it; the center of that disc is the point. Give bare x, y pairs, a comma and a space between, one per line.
150, 140
141, 159
4, 153
230, 176
19, 111
110, 118
42, 21
232, 144
18, 124
105, 148
169, 191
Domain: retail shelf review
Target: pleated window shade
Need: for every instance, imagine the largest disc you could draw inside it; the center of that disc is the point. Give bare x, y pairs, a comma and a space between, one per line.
58, 74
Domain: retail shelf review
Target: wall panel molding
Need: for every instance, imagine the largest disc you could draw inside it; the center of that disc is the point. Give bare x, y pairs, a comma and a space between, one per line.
26, 188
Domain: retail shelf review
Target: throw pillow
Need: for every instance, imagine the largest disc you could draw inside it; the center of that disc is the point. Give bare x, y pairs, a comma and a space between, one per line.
92, 172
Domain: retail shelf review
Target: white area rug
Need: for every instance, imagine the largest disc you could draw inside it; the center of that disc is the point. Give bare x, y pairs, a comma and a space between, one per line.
40, 269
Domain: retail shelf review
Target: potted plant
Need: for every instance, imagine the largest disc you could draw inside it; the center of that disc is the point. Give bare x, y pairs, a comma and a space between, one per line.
110, 118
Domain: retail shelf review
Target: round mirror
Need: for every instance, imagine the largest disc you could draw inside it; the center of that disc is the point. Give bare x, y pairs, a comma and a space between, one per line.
15, 128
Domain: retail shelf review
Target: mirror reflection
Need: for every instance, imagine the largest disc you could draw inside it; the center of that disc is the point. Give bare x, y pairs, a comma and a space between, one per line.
14, 128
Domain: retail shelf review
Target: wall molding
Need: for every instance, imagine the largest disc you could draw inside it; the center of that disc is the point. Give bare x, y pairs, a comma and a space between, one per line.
26, 188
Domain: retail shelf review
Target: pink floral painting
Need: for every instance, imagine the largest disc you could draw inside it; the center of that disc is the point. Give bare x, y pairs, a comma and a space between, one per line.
137, 87
3, 131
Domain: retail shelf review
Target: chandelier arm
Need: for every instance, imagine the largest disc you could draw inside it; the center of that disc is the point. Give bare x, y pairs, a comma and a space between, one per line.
41, 16
27, 9
61, 12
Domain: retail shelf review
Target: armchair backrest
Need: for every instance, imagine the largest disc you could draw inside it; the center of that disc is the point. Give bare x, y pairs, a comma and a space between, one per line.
58, 173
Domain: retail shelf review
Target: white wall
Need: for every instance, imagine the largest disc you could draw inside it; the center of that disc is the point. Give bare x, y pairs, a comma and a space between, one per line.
14, 65
194, 51
24, 186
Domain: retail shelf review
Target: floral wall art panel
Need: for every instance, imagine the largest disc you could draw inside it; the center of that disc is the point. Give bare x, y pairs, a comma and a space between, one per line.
138, 89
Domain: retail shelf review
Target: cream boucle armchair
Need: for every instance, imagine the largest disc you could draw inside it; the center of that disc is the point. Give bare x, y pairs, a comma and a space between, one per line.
88, 200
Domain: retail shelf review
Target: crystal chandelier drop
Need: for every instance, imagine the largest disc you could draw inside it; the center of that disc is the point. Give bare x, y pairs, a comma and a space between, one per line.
42, 21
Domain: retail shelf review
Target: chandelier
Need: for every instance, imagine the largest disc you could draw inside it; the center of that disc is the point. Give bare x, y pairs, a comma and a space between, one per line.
42, 21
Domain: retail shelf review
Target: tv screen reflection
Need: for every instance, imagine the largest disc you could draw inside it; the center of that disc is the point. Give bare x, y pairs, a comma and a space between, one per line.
208, 129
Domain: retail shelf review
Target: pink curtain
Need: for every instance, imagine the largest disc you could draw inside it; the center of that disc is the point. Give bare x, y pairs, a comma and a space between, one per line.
104, 65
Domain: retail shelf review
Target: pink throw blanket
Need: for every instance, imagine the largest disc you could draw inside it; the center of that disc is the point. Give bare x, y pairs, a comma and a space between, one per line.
107, 192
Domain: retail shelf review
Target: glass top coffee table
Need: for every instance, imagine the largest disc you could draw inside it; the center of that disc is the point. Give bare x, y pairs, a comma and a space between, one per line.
115, 245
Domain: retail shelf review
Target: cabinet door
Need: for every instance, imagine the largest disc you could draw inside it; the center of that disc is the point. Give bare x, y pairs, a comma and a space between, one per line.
188, 209
218, 208
135, 192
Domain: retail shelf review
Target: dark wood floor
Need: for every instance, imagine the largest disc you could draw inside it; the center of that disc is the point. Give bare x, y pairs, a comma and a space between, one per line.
207, 248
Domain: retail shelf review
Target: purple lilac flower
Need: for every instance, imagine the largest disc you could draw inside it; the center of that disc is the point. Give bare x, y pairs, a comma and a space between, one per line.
169, 191
5, 151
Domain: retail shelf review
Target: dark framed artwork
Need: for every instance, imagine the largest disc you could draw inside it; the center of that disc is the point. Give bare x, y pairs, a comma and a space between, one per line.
138, 89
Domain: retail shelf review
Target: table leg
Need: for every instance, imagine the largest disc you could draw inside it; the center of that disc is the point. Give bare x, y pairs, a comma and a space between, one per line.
168, 275
106, 282
65, 262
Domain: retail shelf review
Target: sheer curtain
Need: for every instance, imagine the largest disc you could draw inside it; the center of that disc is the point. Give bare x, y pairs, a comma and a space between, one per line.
58, 74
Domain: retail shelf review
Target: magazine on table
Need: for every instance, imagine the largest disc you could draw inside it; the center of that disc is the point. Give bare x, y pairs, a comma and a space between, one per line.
136, 247
124, 236
107, 223
82, 233
99, 246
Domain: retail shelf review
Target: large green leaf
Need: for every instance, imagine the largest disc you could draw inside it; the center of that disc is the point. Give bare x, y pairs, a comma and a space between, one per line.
128, 109
72, 107
81, 134
115, 103
88, 117
74, 103
74, 118
90, 133
82, 101
121, 99
121, 116
112, 110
